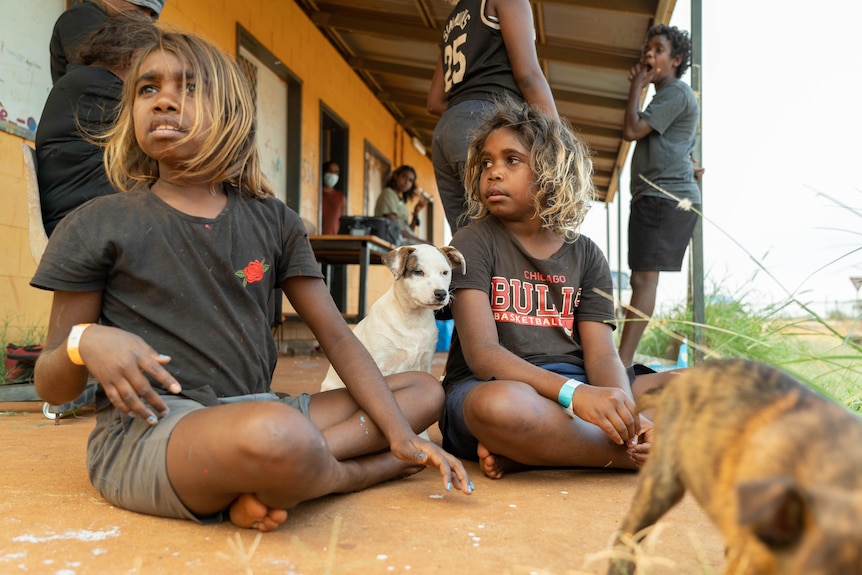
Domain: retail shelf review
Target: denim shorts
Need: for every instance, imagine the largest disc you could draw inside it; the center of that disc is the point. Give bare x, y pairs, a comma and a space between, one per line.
127, 457
457, 439
452, 137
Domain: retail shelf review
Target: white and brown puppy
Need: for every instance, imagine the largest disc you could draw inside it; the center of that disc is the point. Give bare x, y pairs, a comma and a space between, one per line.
399, 330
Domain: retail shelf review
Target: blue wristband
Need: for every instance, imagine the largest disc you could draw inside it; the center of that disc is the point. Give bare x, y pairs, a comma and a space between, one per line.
564, 398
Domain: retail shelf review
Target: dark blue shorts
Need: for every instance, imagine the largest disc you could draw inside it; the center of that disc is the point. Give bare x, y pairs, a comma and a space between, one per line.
457, 439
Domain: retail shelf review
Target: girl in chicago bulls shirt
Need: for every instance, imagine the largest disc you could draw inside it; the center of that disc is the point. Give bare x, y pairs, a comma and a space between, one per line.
533, 378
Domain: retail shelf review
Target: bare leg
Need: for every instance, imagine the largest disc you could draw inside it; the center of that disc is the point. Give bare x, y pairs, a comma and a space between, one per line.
349, 432
513, 422
263, 458
644, 288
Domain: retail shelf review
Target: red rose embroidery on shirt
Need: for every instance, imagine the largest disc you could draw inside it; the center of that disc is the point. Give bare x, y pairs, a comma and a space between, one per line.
253, 272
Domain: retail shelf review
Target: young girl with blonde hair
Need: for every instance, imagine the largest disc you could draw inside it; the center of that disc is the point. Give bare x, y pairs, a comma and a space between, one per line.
161, 293
533, 378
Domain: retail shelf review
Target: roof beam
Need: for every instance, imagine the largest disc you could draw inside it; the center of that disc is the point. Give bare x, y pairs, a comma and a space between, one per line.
634, 7
587, 56
379, 66
585, 99
403, 97
371, 23
421, 123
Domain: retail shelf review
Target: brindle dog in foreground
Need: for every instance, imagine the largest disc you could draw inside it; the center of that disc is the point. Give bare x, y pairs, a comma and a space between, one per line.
776, 466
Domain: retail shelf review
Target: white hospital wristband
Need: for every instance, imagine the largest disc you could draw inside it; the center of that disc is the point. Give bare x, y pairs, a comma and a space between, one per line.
564, 398
74, 341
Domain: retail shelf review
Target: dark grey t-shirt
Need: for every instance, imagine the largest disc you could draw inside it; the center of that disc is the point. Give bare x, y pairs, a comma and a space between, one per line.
194, 288
537, 303
664, 155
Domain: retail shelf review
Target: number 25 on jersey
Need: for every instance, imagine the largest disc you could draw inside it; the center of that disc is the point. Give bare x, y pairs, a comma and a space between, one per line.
454, 62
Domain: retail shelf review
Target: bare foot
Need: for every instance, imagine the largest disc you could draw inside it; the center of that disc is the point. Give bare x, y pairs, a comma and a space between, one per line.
496, 466
249, 512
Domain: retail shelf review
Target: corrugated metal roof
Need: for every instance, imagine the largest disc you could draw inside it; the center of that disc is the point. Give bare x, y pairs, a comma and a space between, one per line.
586, 48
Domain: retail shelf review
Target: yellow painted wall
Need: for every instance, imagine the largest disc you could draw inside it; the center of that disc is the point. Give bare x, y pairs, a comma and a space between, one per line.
284, 30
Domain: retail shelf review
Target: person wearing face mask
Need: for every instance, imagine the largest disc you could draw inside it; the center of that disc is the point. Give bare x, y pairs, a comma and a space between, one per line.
332, 201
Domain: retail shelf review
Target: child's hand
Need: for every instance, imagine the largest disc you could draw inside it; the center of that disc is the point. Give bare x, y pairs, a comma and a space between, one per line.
610, 409
426, 453
641, 75
698, 170
639, 448
119, 360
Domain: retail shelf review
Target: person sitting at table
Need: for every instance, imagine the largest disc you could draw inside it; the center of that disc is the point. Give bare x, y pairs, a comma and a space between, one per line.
399, 190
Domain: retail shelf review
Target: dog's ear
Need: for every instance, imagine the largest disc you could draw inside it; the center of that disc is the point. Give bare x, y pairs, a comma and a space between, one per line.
396, 260
456, 259
774, 508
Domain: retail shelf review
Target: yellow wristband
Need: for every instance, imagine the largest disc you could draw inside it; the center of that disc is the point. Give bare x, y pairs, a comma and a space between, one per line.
74, 341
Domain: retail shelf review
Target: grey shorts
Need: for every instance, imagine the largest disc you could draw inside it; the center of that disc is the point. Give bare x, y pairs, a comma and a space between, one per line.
659, 234
127, 457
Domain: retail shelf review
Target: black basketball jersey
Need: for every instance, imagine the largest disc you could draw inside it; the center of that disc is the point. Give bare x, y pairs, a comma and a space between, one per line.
475, 63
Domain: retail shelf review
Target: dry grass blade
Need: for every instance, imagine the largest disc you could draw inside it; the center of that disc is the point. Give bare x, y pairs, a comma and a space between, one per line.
333, 542
239, 553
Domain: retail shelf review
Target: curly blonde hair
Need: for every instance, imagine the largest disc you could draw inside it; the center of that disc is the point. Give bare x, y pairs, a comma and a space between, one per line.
561, 164
229, 152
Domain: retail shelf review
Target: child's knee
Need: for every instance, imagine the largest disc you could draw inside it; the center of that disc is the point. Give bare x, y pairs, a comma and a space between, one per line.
432, 390
496, 405
277, 433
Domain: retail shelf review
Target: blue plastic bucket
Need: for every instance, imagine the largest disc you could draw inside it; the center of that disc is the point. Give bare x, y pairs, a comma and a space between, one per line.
444, 334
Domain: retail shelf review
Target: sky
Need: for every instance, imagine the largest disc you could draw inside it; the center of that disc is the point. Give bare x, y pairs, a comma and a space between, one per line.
781, 127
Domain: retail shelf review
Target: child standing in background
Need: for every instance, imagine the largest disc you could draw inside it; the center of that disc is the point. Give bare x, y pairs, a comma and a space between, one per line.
659, 231
177, 271
487, 51
533, 378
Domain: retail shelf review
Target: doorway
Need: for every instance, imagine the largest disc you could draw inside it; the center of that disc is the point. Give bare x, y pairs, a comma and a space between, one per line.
334, 136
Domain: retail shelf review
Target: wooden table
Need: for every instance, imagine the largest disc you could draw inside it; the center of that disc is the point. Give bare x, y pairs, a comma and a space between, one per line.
341, 250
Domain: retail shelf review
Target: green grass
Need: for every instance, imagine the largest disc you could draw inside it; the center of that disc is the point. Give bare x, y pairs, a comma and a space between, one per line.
823, 352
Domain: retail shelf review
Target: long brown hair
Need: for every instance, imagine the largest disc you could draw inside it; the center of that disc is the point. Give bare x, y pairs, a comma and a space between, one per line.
229, 152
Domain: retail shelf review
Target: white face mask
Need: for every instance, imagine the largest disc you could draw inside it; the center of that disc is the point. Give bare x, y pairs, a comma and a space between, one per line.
330, 179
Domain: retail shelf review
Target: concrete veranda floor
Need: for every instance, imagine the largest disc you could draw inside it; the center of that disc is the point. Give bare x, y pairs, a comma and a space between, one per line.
544, 522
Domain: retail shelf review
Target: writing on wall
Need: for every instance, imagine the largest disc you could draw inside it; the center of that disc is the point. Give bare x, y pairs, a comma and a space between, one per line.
25, 73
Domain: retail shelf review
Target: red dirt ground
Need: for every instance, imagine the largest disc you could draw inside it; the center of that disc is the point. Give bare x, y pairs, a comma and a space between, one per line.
545, 522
